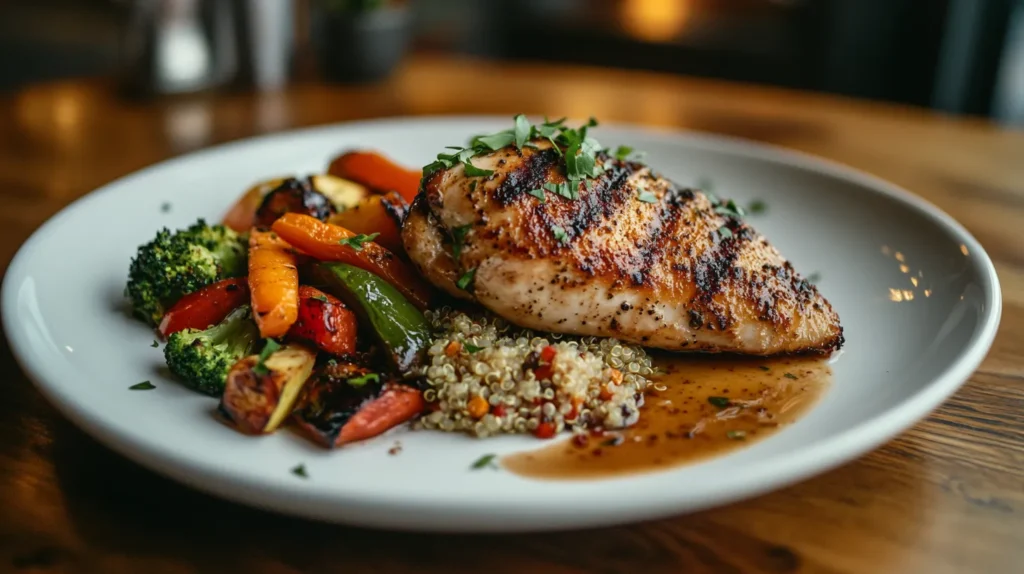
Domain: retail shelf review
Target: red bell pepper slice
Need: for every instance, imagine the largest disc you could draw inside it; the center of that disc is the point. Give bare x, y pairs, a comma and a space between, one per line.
205, 307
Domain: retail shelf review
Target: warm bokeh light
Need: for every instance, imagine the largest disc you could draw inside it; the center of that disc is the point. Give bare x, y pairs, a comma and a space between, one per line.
654, 20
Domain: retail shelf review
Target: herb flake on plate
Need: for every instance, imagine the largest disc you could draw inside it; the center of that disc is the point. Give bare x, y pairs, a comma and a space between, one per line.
356, 241
143, 386
485, 461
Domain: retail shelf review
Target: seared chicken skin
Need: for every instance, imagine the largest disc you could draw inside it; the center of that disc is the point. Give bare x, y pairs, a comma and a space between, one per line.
633, 257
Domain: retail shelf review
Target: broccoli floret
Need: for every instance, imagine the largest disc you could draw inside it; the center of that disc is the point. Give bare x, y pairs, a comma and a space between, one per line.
175, 264
202, 358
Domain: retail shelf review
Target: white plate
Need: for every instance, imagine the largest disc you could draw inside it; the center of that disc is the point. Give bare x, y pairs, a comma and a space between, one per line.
908, 347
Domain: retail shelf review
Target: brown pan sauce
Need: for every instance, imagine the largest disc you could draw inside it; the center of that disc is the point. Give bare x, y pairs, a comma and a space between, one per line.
698, 408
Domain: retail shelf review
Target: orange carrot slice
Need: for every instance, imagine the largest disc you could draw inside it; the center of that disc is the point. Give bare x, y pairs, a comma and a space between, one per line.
324, 241
377, 172
273, 283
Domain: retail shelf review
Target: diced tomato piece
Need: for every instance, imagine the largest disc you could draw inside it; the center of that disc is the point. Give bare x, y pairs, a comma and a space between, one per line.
325, 322
205, 307
547, 354
544, 430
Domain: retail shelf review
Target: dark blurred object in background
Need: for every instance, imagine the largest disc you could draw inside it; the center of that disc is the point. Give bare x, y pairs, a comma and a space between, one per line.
359, 40
960, 56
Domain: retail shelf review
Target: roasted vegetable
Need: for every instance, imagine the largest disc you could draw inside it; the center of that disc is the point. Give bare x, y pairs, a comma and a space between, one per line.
201, 358
205, 307
273, 283
294, 196
344, 194
328, 242
324, 321
242, 215
398, 325
376, 172
175, 264
261, 389
345, 403
380, 214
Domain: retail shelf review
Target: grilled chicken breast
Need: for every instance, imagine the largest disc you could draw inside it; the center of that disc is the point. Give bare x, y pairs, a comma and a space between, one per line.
633, 257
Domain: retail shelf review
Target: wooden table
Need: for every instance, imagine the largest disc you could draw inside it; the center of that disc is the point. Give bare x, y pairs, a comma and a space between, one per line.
947, 496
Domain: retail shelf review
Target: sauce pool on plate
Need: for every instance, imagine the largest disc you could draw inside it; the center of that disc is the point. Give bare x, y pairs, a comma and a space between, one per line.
700, 407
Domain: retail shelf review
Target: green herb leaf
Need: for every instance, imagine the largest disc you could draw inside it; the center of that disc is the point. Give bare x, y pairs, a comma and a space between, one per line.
268, 349
143, 386
647, 197
736, 434
757, 206
466, 279
471, 348
319, 297
790, 376
764, 368
720, 402
724, 232
300, 471
730, 208
356, 241
496, 141
539, 194
472, 186
522, 130
474, 171
459, 239
560, 235
813, 278
155, 344
622, 152
367, 378
485, 461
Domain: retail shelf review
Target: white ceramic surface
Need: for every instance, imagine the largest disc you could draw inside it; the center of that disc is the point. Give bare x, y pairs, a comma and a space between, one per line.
909, 346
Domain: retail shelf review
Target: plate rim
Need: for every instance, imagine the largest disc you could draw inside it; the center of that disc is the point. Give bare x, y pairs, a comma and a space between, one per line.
775, 472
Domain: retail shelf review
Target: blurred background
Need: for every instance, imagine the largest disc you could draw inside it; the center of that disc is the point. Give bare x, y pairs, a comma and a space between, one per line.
958, 56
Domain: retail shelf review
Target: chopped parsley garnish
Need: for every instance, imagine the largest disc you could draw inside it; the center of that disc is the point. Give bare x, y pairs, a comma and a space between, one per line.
565, 189
155, 344
764, 368
813, 278
367, 378
300, 471
165, 207
472, 186
474, 171
790, 376
720, 402
560, 235
268, 349
485, 461
471, 348
466, 279
622, 152
143, 386
757, 206
736, 434
539, 194
729, 208
459, 239
319, 297
724, 232
647, 197
523, 130
580, 151
356, 241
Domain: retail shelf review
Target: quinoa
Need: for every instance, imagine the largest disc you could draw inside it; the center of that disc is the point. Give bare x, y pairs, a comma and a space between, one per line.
486, 377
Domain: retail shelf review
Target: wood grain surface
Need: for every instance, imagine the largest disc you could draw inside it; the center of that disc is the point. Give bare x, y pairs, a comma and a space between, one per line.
947, 496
